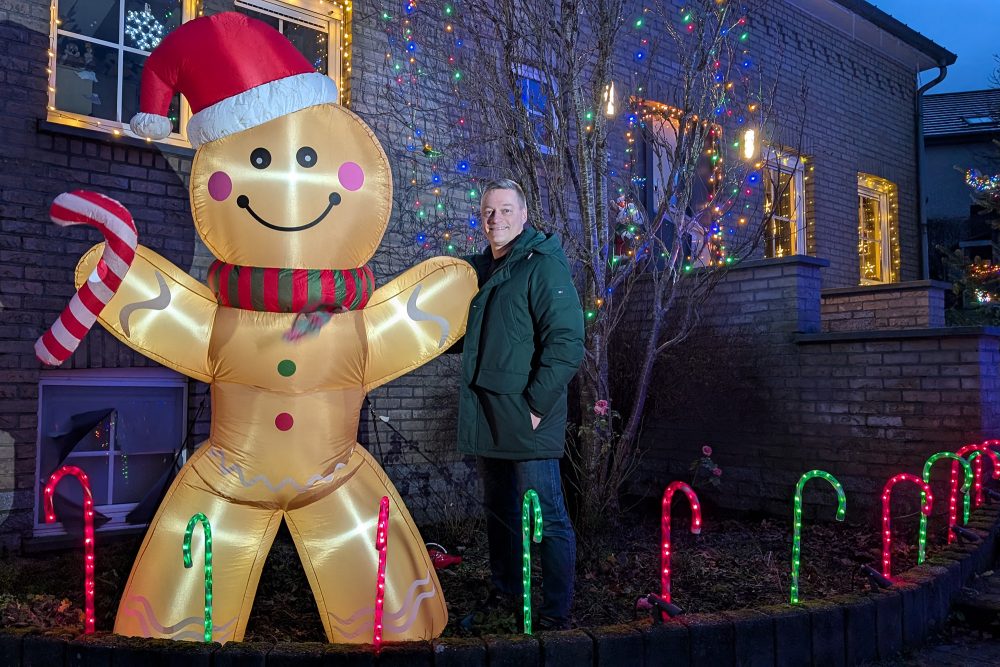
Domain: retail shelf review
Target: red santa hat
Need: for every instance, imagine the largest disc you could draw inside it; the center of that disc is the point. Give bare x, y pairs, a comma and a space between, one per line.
236, 73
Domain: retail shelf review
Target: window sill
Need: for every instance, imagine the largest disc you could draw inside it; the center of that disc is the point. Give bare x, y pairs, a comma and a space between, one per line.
48, 127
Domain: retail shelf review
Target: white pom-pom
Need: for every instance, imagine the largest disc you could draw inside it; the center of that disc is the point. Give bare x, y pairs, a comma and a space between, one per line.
150, 125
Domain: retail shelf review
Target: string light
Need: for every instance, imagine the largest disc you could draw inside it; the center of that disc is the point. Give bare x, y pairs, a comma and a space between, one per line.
952, 497
665, 544
381, 544
981, 182
88, 534
531, 514
926, 499
797, 521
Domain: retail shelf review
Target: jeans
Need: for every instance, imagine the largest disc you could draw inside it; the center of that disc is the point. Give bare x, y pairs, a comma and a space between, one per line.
504, 484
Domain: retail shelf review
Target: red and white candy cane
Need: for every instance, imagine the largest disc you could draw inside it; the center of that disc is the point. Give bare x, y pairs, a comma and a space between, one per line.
81, 207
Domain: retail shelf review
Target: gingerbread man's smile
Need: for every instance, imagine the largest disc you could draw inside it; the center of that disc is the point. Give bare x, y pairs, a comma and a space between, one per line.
244, 202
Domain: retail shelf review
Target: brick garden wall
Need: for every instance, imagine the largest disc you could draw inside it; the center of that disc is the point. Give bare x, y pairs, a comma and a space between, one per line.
782, 397
913, 305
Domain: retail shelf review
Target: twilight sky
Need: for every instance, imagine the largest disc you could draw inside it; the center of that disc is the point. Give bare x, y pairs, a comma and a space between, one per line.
968, 28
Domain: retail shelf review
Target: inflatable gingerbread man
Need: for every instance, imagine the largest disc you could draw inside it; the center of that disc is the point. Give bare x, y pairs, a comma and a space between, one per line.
292, 194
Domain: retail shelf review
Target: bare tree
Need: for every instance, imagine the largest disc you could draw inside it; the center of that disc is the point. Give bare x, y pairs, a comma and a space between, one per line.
630, 147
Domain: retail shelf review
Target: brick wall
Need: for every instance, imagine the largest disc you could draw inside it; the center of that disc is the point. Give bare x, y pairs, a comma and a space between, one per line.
782, 397
912, 305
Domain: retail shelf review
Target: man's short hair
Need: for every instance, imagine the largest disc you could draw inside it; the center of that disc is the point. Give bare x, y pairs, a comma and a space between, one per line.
506, 184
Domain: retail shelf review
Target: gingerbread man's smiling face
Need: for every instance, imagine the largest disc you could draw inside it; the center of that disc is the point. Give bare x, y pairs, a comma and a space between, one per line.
308, 190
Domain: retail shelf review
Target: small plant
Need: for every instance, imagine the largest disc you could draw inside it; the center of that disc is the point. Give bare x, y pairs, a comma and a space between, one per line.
704, 471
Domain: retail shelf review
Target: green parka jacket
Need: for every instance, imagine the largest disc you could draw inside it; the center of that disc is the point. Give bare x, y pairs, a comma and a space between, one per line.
523, 344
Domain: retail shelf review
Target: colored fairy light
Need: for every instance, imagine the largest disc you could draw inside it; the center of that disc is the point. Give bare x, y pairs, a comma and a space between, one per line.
797, 521
531, 508
927, 499
665, 545
186, 549
952, 498
983, 448
381, 541
88, 534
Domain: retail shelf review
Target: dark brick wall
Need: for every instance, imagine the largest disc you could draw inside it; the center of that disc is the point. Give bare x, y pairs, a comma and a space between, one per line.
776, 397
911, 305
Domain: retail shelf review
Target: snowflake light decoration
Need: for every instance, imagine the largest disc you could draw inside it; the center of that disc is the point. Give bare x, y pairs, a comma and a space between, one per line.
143, 28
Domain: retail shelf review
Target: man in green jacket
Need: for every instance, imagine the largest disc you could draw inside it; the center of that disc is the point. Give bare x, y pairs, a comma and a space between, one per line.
523, 344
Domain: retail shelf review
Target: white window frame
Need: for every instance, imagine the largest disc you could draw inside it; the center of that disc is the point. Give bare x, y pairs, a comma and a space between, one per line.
128, 377
522, 71
780, 162
883, 214
317, 14
312, 13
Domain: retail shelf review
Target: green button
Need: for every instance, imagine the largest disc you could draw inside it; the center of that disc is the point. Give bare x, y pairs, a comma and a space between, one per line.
286, 368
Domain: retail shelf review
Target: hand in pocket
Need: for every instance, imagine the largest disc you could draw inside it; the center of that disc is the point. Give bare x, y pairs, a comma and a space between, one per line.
535, 421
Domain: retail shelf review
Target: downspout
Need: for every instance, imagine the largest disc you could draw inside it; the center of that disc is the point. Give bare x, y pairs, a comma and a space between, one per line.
925, 272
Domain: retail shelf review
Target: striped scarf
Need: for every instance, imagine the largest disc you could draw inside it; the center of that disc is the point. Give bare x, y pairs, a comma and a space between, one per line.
290, 290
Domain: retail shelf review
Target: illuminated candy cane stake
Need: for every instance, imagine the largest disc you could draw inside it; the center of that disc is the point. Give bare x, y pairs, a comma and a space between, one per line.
88, 534
665, 551
529, 503
186, 549
115, 222
927, 498
975, 453
952, 498
797, 518
381, 541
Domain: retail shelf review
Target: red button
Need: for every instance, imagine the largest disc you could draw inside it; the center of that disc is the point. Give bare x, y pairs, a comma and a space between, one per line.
284, 421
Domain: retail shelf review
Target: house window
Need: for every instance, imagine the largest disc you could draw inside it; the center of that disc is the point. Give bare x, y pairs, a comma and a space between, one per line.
698, 242
311, 26
785, 231
878, 235
122, 427
98, 49
534, 93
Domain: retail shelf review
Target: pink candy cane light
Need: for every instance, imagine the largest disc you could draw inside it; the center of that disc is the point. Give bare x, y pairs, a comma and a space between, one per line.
381, 541
88, 534
977, 461
668, 496
886, 525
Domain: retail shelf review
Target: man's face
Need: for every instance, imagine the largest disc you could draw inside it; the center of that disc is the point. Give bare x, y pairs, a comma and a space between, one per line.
503, 217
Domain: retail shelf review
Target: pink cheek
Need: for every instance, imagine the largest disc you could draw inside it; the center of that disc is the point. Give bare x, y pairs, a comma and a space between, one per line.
220, 186
351, 176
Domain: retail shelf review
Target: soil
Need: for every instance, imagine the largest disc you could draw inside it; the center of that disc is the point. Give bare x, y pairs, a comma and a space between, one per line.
735, 563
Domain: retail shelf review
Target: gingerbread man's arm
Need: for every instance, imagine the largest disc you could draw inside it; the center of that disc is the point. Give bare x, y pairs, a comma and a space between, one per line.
416, 317
160, 311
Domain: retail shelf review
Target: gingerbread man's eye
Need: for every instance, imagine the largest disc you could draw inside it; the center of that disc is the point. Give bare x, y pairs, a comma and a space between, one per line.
306, 157
260, 158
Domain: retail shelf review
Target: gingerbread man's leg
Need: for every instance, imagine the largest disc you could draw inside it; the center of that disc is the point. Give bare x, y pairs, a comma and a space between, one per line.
335, 536
163, 598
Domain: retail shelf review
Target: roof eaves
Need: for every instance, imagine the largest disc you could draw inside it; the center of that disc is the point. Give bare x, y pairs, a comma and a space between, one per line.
897, 28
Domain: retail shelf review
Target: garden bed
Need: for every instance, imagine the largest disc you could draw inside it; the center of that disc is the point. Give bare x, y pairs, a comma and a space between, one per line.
736, 563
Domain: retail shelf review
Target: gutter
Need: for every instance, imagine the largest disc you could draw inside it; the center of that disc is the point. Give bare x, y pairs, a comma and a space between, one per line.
921, 171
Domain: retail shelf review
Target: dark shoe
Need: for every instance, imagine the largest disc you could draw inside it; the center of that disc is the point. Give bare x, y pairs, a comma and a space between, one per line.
548, 624
496, 608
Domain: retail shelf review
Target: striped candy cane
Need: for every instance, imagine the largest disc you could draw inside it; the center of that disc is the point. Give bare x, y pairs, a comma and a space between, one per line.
115, 222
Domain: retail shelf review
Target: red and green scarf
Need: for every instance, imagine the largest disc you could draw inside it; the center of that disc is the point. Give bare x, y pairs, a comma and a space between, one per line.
290, 290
